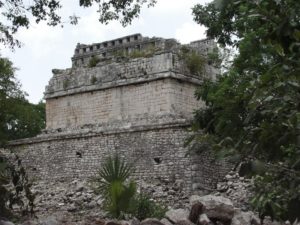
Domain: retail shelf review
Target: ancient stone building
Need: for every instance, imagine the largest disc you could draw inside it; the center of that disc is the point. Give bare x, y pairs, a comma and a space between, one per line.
134, 96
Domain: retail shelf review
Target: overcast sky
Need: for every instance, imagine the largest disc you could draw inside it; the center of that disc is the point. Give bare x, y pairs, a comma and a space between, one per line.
46, 47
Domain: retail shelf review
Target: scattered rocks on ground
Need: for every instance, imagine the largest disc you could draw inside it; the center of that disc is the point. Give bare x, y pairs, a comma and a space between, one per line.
49, 221
77, 200
79, 205
241, 217
237, 189
169, 192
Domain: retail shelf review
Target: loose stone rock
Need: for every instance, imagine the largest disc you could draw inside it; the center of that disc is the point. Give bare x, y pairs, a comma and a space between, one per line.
151, 222
175, 215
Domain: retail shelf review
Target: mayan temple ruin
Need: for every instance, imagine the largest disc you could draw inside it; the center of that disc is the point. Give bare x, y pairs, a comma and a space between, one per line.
133, 96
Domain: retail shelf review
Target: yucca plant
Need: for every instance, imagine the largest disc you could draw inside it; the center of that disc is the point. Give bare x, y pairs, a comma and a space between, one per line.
111, 183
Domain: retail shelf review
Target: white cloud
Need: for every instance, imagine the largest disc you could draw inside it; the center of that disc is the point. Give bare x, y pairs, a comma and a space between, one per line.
41, 39
190, 32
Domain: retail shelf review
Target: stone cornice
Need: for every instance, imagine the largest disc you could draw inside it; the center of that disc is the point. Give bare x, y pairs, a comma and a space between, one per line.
84, 133
124, 82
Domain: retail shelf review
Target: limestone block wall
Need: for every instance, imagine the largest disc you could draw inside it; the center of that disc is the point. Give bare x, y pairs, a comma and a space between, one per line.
124, 103
109, 74
157, 154
203, 46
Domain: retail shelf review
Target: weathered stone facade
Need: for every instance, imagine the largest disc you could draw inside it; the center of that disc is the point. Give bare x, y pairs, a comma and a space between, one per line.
133, 101
124, 103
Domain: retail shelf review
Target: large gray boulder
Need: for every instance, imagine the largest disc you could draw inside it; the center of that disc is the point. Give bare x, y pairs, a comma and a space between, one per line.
175, 215
112, 222
165, 221
184, 222
204, 220
196, 211
5, 222
30, 222
242, 218
216, 207
151, 222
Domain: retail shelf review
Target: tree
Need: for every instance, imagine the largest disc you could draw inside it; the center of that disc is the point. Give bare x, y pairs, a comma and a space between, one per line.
18, 117
25, 119
9, 89
253, 110
17, 13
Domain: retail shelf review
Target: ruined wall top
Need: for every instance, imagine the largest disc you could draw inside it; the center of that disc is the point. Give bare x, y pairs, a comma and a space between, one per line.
124, 61
124, 45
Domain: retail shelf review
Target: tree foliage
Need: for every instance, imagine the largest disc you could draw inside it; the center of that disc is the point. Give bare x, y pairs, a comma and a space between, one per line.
253, 110
21, 13
18, 117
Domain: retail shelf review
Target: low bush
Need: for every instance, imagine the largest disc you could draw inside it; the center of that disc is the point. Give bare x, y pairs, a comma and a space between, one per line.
194, 62
93, 80
144, 208
94, 60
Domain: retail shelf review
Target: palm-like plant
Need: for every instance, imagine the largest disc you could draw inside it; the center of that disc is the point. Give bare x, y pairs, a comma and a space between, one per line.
120, 198
114, 169
111, 183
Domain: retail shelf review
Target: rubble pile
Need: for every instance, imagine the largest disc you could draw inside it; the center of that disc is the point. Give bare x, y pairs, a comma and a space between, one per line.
76, 198
237, 189
166, 192
202, 210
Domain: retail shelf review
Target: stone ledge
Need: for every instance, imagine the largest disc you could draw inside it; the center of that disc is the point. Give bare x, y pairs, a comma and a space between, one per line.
125, 82
96, 131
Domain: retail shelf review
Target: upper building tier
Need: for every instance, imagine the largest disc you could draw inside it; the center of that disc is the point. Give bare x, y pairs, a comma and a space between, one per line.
130, 44
131, 59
